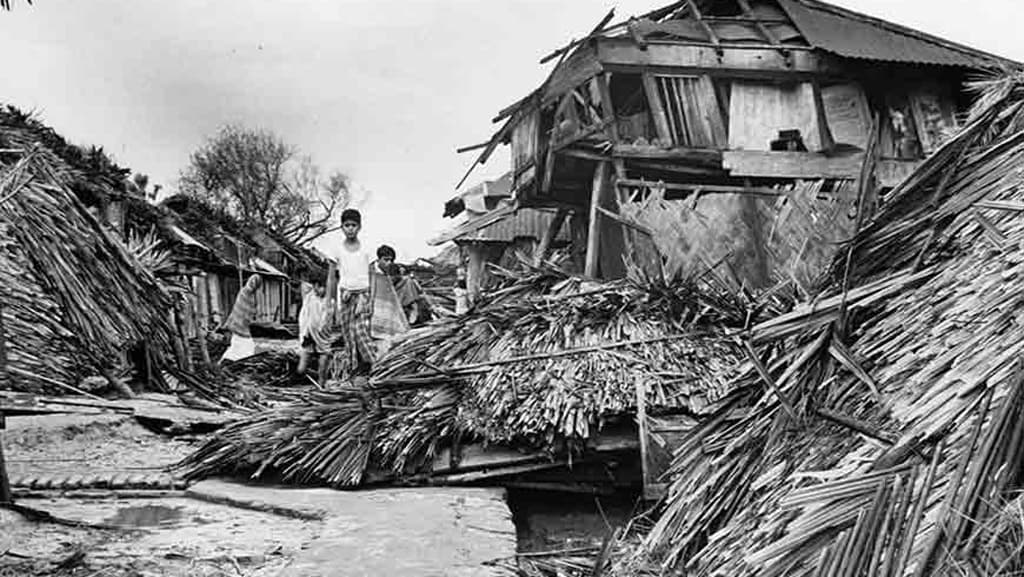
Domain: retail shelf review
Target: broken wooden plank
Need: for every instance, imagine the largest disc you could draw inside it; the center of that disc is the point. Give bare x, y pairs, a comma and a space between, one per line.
703, 188
657, 107
788, 164
764, 61
700, 156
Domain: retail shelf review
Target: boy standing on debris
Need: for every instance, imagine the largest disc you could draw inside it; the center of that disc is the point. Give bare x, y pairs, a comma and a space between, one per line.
353, 306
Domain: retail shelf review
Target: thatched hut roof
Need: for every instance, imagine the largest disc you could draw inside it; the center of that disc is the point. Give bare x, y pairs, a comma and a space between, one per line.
904, 439
88, 172
72, 296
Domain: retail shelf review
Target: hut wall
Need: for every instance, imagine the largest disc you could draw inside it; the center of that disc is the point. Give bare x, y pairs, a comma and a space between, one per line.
270, 300
751, 240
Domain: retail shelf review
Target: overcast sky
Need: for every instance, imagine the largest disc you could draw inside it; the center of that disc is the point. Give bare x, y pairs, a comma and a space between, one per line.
384, 90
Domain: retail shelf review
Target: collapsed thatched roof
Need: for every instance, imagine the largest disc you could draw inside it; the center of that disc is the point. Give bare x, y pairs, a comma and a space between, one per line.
89, 172
70, 293
543, 364
901, 451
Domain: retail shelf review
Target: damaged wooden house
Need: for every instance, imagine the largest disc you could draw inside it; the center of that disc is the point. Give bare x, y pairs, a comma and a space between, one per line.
733, 135
495, 231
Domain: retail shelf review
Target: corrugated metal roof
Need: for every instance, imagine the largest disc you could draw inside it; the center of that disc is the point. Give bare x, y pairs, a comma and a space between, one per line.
503, 224
525, 222
855, 35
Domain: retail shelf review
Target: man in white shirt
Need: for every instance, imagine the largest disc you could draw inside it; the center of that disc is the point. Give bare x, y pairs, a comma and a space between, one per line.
353, 306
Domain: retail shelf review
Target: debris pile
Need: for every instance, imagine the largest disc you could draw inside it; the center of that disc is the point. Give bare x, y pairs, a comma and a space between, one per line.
544, 364
71, 295
888, 438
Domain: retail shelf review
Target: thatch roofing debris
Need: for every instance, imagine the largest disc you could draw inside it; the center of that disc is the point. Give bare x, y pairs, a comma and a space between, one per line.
544, 363
89, 172
68, 289
903, 455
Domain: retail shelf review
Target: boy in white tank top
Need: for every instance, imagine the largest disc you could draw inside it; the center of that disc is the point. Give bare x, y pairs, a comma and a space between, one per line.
353, 306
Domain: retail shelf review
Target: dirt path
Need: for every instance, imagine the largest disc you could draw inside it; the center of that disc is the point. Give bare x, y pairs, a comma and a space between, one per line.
221, 528
173, 536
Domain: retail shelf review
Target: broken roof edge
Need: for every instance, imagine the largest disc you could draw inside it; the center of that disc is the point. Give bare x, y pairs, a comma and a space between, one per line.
904, 30
473, 225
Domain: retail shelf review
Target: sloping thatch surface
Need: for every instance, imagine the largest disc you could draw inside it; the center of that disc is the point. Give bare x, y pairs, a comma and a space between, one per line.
544, 364
68, 289
903, 453
89, 172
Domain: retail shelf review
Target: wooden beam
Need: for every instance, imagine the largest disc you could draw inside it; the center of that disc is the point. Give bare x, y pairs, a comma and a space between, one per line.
703, 188
701, 156
786, 164
618, 218
695, 12
764, 60
550, 234
602, 174
768, 35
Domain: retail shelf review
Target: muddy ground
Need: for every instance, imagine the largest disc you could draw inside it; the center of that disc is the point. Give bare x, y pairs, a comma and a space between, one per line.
169, 535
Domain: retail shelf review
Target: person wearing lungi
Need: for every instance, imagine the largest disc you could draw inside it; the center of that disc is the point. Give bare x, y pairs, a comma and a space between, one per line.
353, 307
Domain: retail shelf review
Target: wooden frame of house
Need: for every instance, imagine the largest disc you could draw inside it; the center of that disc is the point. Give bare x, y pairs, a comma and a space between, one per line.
736, 106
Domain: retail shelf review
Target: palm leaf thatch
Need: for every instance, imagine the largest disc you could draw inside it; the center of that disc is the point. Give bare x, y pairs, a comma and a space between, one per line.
70, 293
903, 455
544, 364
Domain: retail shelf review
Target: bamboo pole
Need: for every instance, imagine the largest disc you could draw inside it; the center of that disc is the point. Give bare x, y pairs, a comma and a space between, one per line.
5, 485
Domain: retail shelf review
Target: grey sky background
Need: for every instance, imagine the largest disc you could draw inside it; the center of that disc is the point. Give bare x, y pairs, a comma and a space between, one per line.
384, 90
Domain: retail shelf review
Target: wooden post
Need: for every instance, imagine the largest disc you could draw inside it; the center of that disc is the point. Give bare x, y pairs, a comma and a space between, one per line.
550, 234
5, 484
601, 178
475, 270
641, 428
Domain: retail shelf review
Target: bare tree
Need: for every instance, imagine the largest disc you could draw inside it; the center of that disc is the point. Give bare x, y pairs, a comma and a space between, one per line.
257, 177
